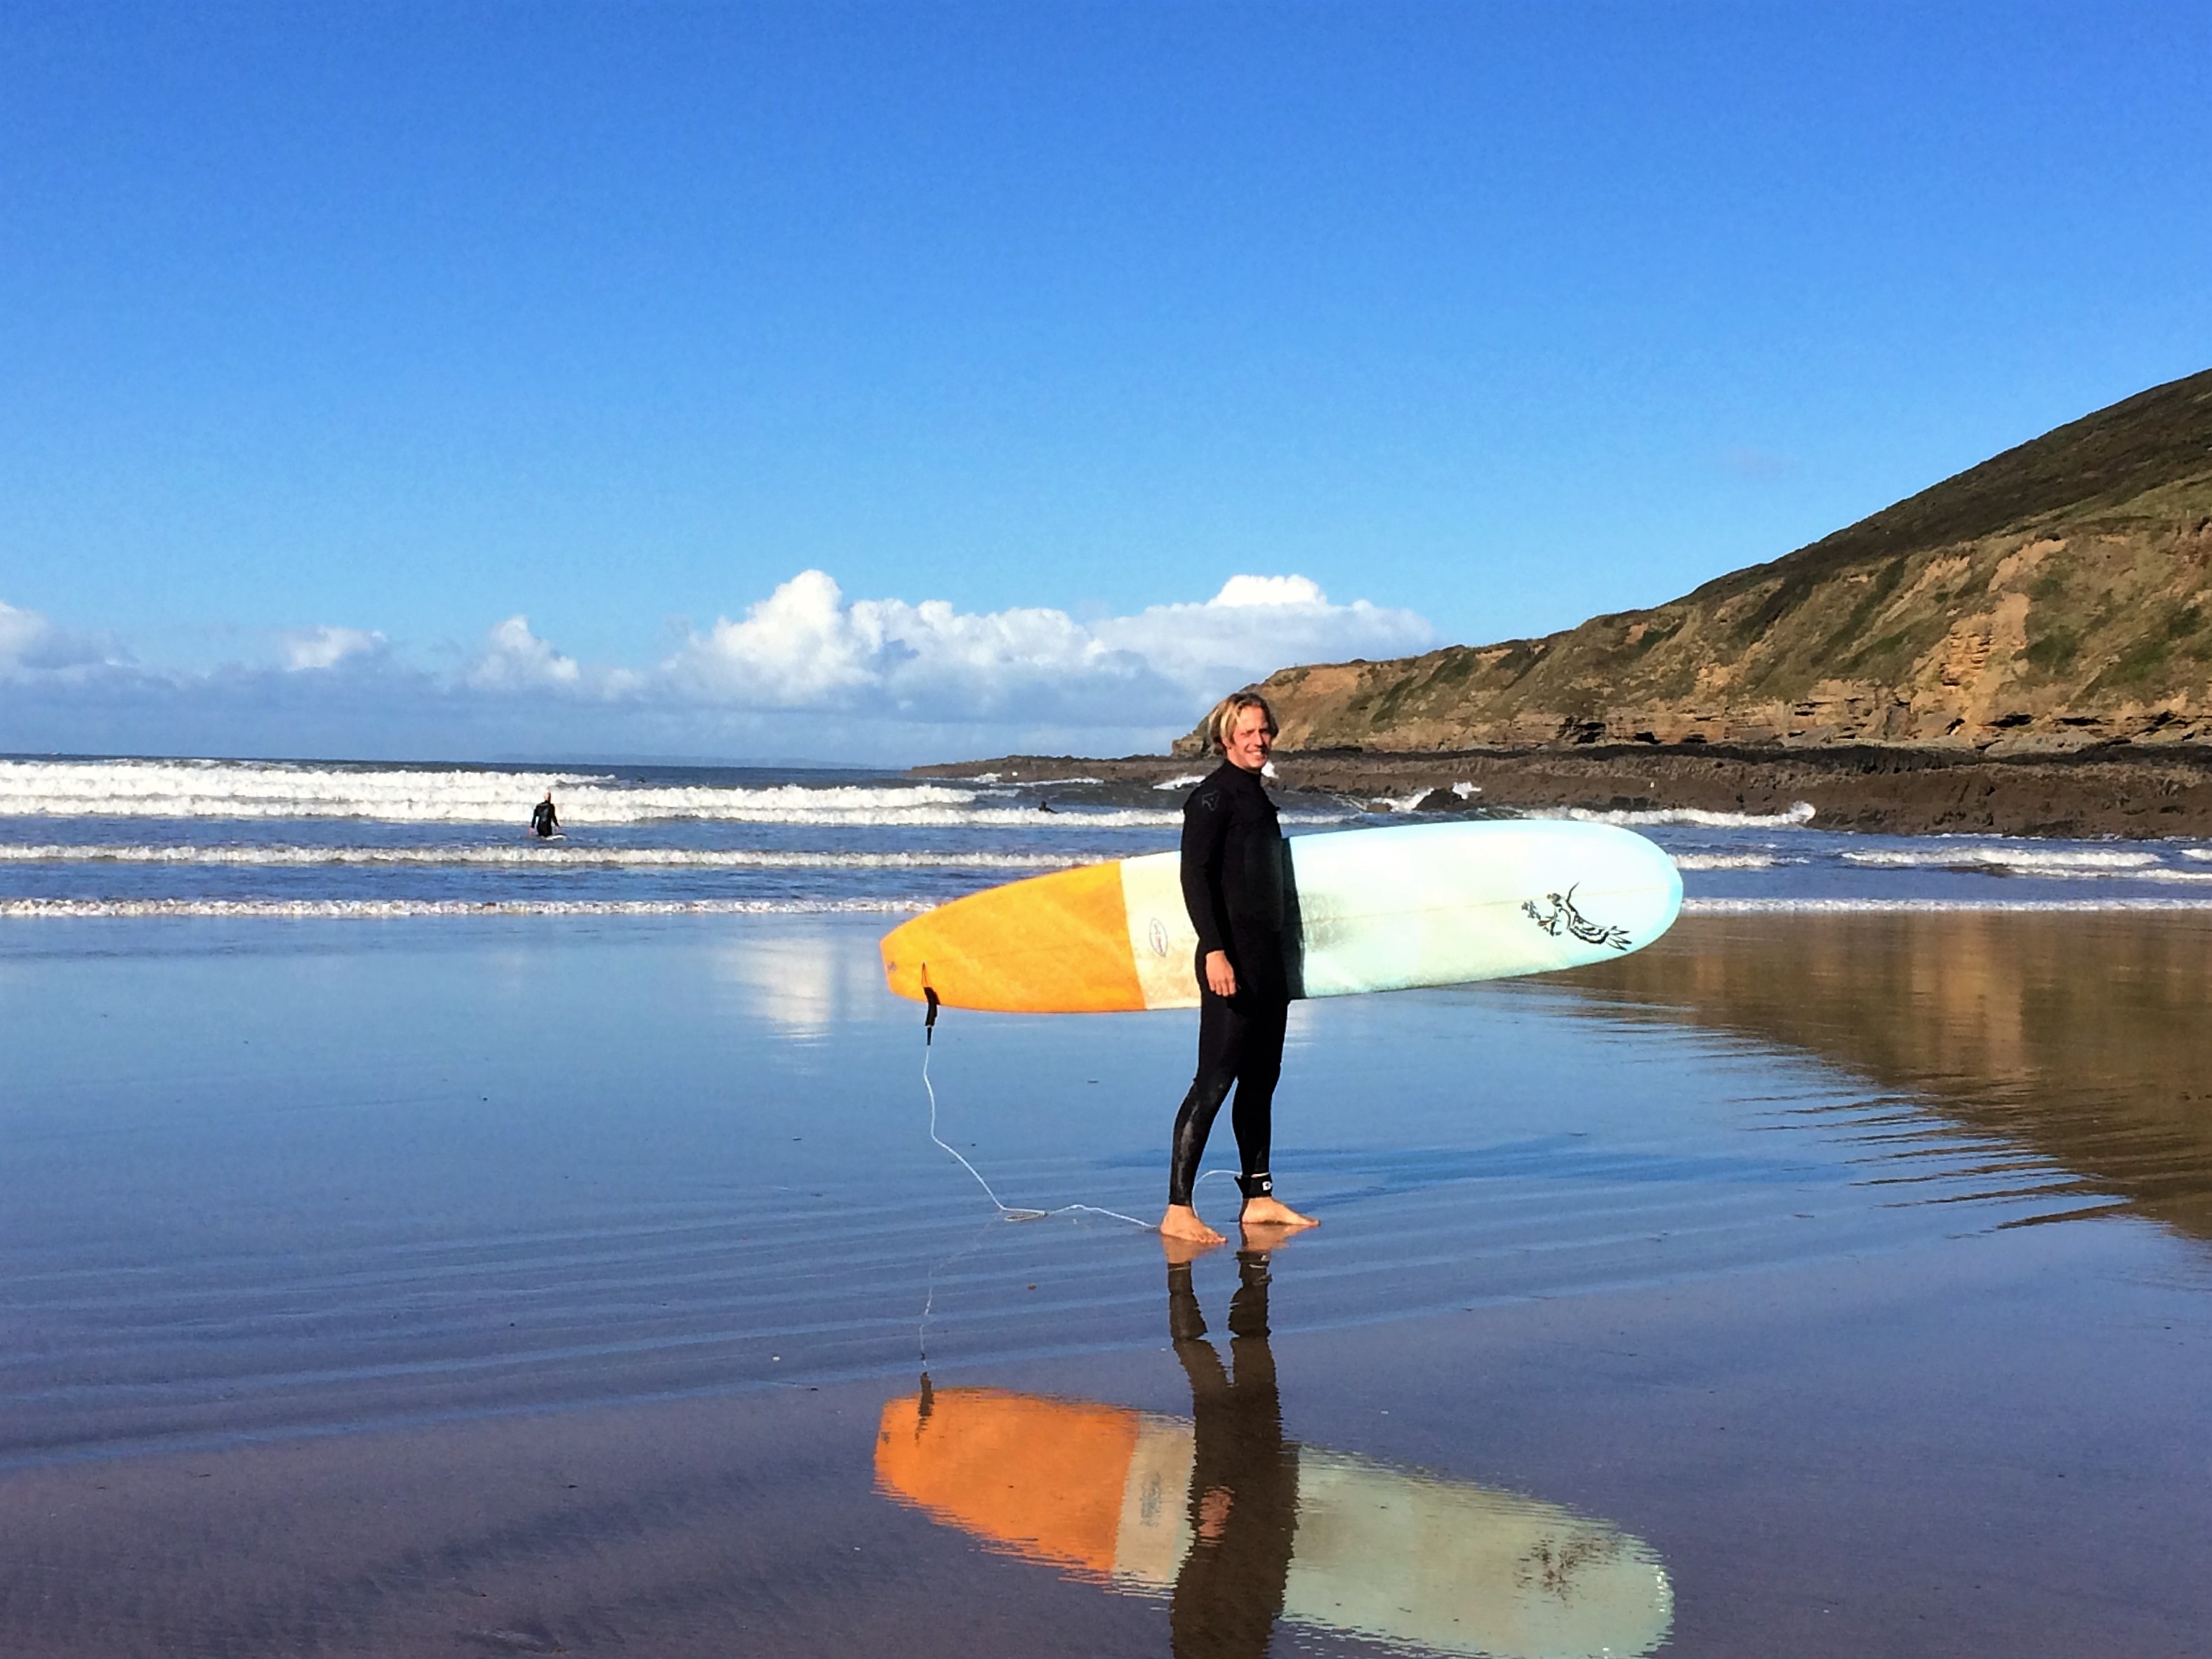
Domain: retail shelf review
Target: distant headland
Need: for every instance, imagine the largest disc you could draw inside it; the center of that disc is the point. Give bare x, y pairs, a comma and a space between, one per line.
2024, 649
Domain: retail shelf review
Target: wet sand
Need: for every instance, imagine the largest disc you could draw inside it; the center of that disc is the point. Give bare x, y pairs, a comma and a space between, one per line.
462, 1290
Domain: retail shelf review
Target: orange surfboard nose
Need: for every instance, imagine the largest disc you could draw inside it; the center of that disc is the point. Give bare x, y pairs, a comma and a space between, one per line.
1040, 1478
1056, 944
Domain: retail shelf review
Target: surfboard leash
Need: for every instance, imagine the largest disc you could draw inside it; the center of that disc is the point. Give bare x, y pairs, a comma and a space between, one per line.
1006, 1212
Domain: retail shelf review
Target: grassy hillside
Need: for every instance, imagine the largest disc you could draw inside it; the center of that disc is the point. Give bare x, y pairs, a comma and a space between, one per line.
2056, 596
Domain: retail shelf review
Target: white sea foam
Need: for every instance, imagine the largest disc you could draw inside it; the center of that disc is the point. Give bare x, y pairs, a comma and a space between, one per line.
2161, 872
381, 909
1465, 791
526, 856
378, 909
2202, 852
1729, 860
1183, 781
2034, 860
1745, 907
1799, 814
237, 789
249, 789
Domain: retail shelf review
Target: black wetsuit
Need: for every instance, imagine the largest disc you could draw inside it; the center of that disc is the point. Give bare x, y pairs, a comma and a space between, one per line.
1236, 885
1244, 1495
543, 821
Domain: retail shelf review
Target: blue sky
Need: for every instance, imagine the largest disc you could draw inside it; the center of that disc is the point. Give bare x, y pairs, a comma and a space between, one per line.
894, 381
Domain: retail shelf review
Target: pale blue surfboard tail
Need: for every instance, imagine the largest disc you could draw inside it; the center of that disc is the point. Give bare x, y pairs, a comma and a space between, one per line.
1431, 904
1445, 903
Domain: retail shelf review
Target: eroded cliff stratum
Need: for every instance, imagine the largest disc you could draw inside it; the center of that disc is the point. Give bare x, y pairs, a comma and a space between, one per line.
2057, 596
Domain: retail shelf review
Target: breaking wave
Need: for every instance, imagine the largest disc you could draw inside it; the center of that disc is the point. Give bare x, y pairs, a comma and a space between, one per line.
1800, 814
394, 909
2037, 861
1743, 906
530, 857
240, 789
247, 789
382, 909
1729, 860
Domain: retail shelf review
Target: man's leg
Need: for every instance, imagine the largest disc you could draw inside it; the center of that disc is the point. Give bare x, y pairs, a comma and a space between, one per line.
1260, 1067
1220, 1050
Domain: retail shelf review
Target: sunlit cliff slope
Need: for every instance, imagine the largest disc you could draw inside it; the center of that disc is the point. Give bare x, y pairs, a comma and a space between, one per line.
2057, 596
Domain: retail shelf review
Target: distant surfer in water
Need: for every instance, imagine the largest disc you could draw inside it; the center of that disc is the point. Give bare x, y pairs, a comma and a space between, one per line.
544, 822
1236, 885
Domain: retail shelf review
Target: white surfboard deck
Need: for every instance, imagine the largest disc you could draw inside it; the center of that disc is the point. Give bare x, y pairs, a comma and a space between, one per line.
1419, 904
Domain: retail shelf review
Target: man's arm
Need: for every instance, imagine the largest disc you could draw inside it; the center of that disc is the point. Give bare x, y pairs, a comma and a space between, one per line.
1204, 831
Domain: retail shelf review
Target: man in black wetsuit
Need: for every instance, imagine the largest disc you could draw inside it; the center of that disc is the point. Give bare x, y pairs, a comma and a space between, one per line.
1236, 885
544, 822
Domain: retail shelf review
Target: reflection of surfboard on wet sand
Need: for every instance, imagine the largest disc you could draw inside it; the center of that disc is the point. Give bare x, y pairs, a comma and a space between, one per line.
1376, 910
1102, 1493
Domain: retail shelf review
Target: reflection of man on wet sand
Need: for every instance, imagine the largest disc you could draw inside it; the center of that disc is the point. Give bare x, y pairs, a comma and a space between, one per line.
1244, 1479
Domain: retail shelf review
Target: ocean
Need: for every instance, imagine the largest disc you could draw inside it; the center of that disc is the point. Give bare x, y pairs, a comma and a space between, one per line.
416, 1239
87, 838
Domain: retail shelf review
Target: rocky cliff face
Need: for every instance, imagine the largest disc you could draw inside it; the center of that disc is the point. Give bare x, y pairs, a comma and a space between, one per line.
2055, 596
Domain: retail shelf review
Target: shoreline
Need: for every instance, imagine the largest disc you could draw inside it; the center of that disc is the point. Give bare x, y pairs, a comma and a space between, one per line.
2126, 792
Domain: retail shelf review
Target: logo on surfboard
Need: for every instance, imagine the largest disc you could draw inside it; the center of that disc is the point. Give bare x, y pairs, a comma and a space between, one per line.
1563, 914
1159, 936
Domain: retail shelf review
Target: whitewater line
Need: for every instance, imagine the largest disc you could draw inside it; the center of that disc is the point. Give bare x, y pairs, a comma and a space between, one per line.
525, 856
390, 909
1893, 907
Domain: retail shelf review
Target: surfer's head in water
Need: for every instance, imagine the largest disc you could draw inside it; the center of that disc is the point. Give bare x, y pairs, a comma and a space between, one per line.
1243, 729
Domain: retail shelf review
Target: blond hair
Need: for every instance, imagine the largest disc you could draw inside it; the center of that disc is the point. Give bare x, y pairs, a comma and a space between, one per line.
1226, 713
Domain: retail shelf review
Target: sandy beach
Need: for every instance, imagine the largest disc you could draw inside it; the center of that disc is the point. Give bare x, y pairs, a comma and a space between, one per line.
465, 1286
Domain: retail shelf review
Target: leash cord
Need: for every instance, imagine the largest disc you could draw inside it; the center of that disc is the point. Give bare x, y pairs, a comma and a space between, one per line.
1009, 1212
1006, 1212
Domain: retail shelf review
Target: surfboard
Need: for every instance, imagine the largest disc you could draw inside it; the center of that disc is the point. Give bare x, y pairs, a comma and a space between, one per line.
1102, 1493
1379, 910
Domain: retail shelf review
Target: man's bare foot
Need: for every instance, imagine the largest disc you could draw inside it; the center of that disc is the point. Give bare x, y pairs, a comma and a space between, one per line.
1182, 1222
1273, 1212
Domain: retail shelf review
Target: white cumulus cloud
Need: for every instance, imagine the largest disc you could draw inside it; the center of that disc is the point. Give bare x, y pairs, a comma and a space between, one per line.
806, 671
808, 647
1241, 591
1256, 624
31, 644
515, 659
310, 648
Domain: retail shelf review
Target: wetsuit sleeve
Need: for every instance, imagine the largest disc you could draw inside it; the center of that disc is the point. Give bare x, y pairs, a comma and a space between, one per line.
1205, 832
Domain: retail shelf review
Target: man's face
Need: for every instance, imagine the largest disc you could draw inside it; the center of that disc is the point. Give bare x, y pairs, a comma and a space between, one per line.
1248, 740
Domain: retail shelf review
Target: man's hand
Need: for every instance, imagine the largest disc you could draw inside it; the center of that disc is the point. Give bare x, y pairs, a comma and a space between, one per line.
1220, 977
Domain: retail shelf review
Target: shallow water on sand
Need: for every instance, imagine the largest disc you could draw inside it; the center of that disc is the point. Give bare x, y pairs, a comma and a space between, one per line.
1827, 1284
